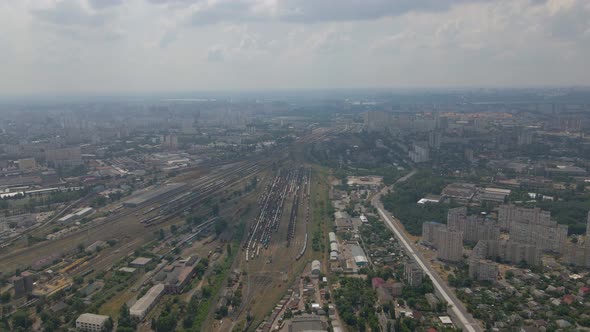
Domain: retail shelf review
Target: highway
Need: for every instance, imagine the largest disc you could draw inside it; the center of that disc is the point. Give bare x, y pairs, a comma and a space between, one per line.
465, 320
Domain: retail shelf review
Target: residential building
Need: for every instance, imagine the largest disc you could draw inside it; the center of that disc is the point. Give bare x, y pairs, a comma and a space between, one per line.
483, 270
508, 251
474, 228
429, 232
450, 245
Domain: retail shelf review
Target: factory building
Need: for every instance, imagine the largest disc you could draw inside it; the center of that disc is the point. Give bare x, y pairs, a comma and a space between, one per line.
91, 323
141, 308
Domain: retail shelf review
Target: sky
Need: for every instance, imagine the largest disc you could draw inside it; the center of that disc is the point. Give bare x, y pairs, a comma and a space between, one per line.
103, 46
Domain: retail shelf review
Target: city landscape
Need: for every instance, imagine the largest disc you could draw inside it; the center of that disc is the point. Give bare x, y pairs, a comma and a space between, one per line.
278, 214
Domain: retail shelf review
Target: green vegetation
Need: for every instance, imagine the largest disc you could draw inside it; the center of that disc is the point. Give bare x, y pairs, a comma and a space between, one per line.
355, 300
571, 211
402, 202
198, 307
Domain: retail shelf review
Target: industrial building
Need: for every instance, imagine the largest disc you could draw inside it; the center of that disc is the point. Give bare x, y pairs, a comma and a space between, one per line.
177, 275
360, 259
91, 323
334, 247
140, 262
140, 309
342, 221
152, 194
332, 237
69, 218
316, 268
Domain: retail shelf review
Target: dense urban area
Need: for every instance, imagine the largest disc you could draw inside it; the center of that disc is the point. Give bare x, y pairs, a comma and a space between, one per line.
443, 211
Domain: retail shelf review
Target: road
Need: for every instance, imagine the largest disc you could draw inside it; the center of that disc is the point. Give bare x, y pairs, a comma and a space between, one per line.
465, 320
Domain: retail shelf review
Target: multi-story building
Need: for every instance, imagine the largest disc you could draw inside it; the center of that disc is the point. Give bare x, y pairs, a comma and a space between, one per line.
67, 157
533, 226
483, 270
434, 139
23, 284
429, 232
450, 245
474, 228
508, 251
91, 323
413, 274
419, 153
508, 213
577, 254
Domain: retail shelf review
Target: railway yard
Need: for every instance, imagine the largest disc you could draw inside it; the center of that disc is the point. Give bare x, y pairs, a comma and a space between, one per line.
133, 222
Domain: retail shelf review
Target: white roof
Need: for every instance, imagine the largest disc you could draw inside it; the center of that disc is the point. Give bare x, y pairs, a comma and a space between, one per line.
92, 319
445, 320
141, 261
145, 302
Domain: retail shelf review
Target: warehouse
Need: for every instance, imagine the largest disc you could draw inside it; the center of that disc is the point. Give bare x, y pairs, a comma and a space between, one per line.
334, 247
359, 255
140, 262
333, 256
332, 237
147, 302
152, 194
316, 268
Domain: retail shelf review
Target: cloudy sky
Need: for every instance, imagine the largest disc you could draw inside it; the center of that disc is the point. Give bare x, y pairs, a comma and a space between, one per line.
49, 46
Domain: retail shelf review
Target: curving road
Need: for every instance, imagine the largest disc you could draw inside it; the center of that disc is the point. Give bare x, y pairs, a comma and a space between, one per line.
464, 319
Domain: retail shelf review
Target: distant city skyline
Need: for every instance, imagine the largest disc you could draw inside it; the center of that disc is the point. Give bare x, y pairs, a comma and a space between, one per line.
140, 46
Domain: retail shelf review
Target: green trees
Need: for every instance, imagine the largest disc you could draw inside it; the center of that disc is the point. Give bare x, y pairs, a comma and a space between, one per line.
355, 296
126, 323
21, 320
402, 202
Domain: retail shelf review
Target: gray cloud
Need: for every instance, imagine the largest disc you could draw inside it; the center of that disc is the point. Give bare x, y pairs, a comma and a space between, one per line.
101, 4
306, 11
215, 54
312, 11
70, 13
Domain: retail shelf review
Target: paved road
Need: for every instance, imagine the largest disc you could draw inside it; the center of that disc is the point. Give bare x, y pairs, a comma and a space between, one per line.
465, 320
